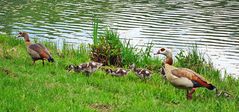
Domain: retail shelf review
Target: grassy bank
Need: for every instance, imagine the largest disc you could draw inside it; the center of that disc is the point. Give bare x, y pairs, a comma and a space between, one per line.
27, 87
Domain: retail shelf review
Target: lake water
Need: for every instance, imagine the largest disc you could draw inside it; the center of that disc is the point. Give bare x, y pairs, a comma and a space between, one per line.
176, 24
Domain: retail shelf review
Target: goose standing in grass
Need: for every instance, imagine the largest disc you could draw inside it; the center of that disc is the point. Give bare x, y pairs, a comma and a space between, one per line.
119, 72
182, 77
140, 72
36, 51
86, 68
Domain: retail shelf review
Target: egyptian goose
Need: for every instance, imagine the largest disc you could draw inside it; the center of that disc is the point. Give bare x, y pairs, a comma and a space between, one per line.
118, 72
182, 77
36, 51
87, 68
140, 72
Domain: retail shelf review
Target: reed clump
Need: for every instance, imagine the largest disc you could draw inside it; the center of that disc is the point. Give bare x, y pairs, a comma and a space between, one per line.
108, 49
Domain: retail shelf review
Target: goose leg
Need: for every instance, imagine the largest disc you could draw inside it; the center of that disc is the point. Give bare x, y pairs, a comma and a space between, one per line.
33, 62
144, 80
189, 93
43, 62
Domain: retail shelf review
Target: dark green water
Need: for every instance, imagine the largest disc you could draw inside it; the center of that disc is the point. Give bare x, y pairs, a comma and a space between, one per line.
213, 25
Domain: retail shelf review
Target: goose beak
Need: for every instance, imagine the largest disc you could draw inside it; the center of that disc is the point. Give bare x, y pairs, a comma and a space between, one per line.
18, 35
157, 53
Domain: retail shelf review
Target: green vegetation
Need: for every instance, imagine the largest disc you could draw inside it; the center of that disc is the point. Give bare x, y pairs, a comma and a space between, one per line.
107, 48
27, 87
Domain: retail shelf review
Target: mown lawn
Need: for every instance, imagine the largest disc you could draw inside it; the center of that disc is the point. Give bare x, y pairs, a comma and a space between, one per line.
28, 87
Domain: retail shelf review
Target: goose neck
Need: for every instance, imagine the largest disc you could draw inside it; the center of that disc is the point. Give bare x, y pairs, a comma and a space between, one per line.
169, 60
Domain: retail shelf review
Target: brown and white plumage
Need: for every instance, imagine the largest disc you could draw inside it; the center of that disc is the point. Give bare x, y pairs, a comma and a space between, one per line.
87, 68
182, 77
36, 51
119, 72
140, 72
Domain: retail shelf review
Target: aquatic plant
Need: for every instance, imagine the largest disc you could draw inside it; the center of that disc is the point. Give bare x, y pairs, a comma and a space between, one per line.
106, 47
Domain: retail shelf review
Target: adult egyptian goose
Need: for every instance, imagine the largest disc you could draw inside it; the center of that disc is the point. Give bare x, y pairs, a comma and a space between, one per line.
140, 72
119, 72
182, 77
36, 51
86, 68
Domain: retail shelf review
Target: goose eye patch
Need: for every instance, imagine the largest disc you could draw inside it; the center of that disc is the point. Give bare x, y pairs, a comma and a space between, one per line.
162, 49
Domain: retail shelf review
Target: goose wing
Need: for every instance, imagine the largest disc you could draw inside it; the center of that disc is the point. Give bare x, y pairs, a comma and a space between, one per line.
44, 48
197, 79
39, 50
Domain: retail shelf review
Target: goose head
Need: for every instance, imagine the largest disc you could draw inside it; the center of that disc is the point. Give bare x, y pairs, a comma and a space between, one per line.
132, 67
164, 51
22, 34
108, 70
25, 35
168, 53
70, 67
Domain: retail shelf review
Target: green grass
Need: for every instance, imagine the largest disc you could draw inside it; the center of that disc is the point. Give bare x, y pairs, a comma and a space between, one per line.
27, 87
110, 50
